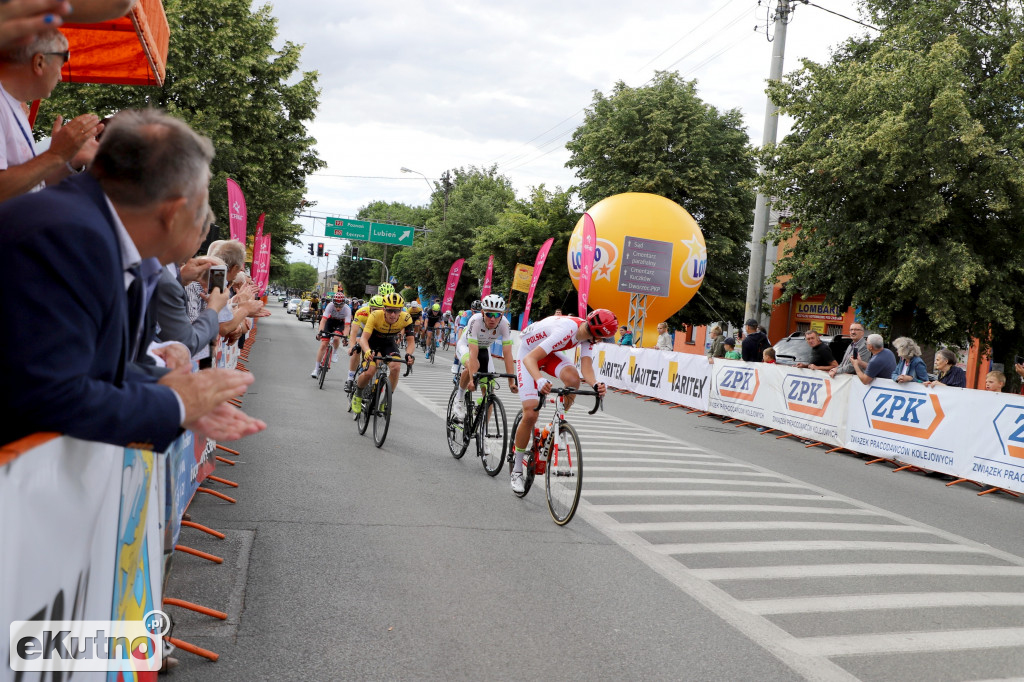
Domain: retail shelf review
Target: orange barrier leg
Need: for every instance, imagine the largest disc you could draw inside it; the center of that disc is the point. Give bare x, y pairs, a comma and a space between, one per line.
224, 459
785, 435
905, 467
233, 452
192, 524
743, 424
767, 431
193, 649
201, 555
814, 444
169, 601
222, 480
998, 490
963, 480
216, 494
880, 459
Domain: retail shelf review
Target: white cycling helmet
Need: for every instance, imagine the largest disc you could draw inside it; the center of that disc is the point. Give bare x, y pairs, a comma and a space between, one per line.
493, 304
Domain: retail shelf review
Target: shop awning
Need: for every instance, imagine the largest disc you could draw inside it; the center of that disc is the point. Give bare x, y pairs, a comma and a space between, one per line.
131, 50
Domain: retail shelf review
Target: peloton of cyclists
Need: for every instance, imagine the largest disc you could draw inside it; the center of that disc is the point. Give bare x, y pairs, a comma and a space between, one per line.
380, 337
337, 315
542, 347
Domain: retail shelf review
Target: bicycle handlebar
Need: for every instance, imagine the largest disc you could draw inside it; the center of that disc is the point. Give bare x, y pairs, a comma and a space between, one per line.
493, 375
573, 391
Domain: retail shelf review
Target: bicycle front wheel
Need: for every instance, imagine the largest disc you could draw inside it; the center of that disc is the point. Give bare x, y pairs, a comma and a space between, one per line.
563, 479
493, 437
381, 412
322, 372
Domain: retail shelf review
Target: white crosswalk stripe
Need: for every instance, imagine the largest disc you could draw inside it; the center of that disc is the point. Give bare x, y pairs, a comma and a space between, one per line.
756, 546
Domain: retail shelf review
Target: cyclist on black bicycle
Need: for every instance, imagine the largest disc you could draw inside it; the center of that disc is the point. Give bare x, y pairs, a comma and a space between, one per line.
380, 337
433, 315
376, 302
337, 316
541, 347
473, 348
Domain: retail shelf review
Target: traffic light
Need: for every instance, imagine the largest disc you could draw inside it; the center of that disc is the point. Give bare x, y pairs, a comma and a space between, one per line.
319, 249
310, 249
354, 253
326, 254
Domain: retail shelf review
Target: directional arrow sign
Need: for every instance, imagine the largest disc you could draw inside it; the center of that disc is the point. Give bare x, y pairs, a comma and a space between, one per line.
391, 234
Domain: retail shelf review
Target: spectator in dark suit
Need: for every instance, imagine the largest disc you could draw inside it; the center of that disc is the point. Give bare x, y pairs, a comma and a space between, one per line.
66, 364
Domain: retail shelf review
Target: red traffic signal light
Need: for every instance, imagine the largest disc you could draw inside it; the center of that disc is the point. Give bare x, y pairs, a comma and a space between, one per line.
320, 249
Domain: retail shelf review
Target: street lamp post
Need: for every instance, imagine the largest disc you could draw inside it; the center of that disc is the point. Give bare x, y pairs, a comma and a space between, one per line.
426, 180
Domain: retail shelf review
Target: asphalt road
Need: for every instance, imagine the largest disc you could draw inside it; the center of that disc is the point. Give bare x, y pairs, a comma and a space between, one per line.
700, 552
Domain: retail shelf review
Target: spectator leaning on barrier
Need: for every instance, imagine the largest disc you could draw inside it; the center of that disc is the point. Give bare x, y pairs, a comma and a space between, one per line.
949, 374
80, 244
752, 348
626, 336
717, 347
664, 338
768, 356
232, 317
994, 381
909, 367
858, 348
730, 349
31, 72
821, 355
881, 364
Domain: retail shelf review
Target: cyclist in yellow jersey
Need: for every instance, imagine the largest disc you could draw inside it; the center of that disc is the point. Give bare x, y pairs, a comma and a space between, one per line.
358, 322
415, 311
380, 337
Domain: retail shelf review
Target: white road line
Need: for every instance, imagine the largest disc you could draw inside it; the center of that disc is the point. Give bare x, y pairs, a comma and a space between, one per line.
600, 449
706, 481
728, 466
855, 570
619, 443
909, 642
766, 525
811, 546
686, 470
882, 602
774, 509
675, 492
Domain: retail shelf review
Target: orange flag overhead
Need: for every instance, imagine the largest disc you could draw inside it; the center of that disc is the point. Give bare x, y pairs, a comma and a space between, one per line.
131, 50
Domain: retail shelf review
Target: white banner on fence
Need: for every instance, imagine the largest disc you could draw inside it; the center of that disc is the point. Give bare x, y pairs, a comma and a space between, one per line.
674, 377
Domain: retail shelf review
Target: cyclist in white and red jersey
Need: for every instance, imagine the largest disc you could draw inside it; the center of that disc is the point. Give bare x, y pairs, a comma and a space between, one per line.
541, 347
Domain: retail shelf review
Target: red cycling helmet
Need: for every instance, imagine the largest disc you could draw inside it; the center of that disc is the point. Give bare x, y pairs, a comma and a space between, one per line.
602, 323
339, 297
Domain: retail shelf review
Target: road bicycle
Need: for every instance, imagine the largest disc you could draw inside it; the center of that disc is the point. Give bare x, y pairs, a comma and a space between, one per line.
555, 452
377, 399
432, 347
447, 336
325, 363
485, 421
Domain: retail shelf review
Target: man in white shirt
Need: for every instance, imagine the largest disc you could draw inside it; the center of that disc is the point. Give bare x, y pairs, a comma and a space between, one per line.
29, 73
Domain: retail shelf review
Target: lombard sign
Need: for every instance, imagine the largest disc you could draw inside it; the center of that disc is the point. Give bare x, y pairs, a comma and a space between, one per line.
1009, 424
739, 383
903, 412
807, 395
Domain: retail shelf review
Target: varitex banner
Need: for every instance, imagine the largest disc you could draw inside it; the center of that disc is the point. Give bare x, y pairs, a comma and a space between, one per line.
674, 377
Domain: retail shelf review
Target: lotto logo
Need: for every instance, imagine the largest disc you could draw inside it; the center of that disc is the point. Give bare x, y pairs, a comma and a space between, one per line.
1009, 425
807, 395
903, 412
740, 383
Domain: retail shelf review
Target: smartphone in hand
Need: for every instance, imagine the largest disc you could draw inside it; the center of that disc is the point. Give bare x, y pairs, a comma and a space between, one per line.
218, 275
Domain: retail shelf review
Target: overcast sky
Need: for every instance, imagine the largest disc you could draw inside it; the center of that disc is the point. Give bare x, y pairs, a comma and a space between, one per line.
433, 86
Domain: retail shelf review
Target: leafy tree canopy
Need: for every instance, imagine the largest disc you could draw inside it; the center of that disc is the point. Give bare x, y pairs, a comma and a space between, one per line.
663, 139
225, 78
903, 171
301, 276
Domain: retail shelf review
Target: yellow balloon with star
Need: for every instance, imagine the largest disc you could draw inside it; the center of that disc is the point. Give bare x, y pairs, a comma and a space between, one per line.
647, 245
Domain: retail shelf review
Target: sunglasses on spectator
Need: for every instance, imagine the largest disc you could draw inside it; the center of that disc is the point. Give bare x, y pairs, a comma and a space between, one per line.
65, 55
493, 316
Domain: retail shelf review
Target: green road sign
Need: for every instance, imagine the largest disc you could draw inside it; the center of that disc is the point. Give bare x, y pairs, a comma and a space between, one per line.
361, 230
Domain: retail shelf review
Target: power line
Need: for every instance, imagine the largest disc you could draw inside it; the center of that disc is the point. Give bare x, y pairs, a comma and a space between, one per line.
685, 35
825, 9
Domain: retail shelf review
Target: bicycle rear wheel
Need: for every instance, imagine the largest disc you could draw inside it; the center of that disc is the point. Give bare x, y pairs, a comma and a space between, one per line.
563, 480
528, 471
368, 406
492, 437
433, 350
381, 412
455, 430
322, 371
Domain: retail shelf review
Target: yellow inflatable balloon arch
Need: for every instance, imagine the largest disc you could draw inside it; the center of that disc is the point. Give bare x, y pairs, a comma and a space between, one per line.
647, 245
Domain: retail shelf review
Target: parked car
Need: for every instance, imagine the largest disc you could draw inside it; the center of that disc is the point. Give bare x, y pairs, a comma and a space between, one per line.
793, 348
305, 311
293, 305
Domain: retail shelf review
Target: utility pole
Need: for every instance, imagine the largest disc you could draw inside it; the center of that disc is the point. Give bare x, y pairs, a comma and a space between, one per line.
758, 250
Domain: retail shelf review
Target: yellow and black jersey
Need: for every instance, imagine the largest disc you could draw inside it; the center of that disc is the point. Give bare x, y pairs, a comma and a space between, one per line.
378, 326
361, 315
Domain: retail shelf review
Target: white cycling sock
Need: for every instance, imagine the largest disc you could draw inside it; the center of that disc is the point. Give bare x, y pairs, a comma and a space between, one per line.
462, 394
517, 467
351, 375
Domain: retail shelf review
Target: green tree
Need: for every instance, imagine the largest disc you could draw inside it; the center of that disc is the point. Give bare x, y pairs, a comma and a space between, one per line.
663, 139
301, 276
225, 78
903, 172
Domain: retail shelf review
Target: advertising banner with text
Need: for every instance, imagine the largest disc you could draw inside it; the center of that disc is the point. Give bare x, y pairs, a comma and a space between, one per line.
674, 377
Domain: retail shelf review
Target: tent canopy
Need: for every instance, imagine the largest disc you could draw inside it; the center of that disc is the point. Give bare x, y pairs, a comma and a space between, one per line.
131, 50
